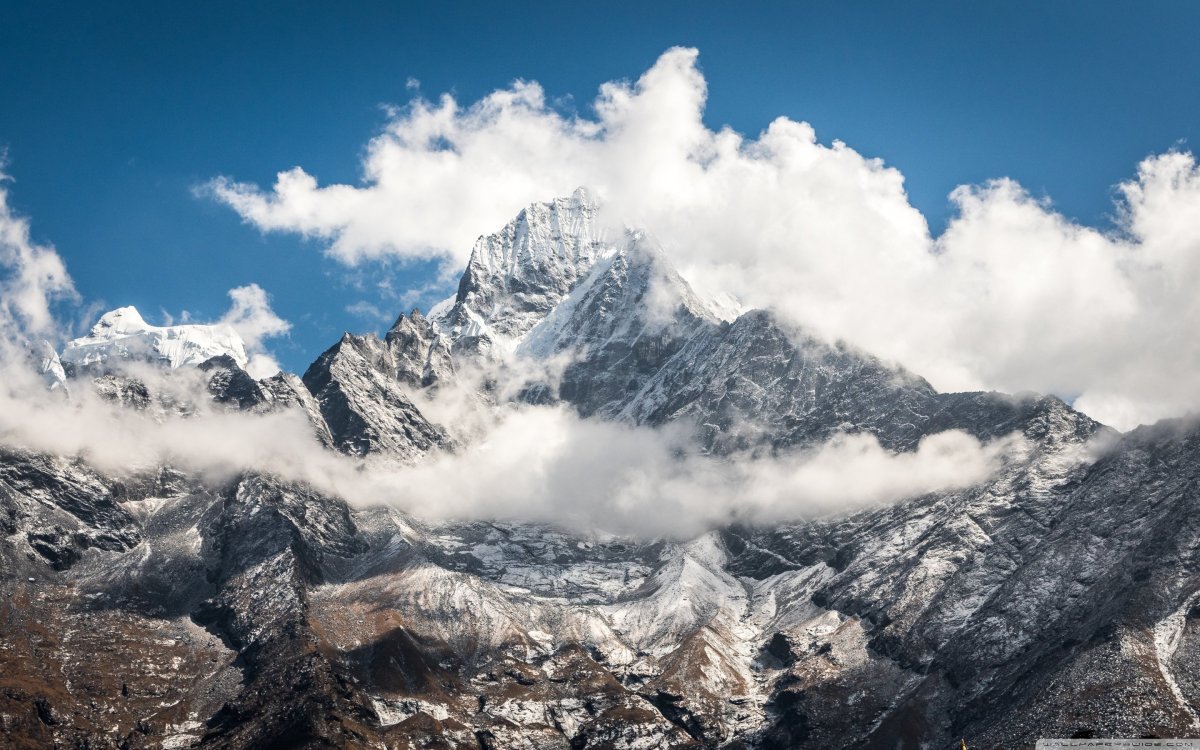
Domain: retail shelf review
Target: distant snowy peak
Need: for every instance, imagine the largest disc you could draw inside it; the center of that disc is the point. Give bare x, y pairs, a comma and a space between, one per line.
517, 275
123, 334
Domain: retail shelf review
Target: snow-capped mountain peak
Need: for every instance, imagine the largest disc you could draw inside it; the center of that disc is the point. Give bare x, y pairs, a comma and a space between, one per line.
122, 321
124, 334
518, 274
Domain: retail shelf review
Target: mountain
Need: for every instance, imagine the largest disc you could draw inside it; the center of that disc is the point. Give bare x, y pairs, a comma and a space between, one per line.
157, 609
122, 334
364, 400
516, 276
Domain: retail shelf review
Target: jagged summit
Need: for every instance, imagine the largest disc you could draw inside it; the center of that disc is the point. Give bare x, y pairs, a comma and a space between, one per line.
632, 291
517, 275
413, 317
124, 335
361, 387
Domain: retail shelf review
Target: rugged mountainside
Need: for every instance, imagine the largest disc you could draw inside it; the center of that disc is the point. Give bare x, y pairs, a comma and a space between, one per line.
361, 391
156, 609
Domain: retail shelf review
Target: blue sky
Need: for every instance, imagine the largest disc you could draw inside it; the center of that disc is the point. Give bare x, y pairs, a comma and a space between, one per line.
111, 117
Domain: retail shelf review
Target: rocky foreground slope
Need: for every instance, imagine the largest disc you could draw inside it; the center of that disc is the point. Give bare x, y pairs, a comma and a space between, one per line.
156, 609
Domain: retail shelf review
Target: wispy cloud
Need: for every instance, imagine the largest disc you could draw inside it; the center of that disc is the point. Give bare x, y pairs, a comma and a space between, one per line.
368, 312
254, 320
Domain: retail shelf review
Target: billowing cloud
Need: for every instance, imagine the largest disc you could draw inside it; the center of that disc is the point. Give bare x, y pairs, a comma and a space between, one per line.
254, 320
32, 277
1012, 296
441, 174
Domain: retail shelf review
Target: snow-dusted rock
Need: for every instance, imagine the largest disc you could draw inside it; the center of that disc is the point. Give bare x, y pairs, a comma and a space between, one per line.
366, 404
519, 274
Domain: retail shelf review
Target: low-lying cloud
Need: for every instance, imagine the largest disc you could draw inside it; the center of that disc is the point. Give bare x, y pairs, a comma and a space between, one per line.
544, 463
533, 463
1012, 296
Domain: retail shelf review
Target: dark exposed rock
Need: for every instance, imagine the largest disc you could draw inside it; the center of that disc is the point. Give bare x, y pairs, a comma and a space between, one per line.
230, 384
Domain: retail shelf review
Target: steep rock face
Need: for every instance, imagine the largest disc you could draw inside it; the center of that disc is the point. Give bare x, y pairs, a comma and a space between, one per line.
286, 391
365, 404
269, 546
1046, 602
1108, 598
421, 355
642, 347
619, 327
234, 388
230, 385
54, 509
753, 381
519, 274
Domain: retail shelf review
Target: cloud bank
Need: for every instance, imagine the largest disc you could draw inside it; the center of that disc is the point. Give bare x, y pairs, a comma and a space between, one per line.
535, 463
1012, 296
547, 464
254, 320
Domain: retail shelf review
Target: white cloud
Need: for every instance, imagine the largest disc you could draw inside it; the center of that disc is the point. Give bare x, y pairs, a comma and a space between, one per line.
1012, 296
441, 174
32, 277
532, 463
547, 464
254, 320
368, 312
